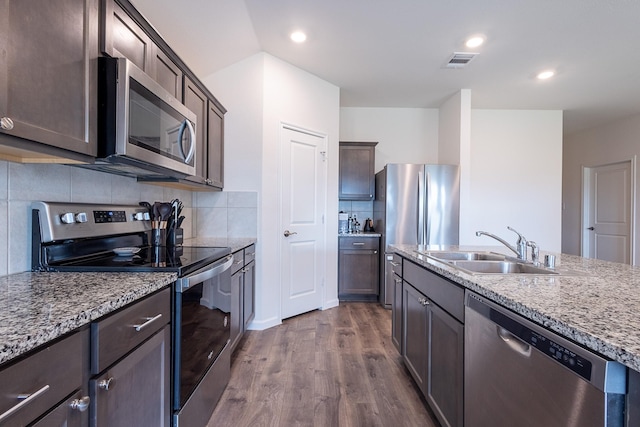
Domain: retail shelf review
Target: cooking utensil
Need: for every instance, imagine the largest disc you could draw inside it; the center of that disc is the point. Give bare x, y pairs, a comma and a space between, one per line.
179, 223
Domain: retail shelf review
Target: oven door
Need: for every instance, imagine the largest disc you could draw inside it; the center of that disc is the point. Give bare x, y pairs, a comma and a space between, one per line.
201, 325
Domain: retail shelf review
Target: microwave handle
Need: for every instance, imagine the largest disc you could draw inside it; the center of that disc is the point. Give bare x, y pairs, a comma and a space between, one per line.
192, 138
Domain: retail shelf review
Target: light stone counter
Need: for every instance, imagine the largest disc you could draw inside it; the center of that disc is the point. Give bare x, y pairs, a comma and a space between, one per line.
36, 308
595, 304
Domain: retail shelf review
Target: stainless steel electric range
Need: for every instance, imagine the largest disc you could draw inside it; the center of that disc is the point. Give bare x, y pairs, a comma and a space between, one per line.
92, 237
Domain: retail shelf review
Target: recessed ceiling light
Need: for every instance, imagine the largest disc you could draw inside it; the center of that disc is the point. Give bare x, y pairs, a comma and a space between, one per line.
298, 36
474, 41
546, 75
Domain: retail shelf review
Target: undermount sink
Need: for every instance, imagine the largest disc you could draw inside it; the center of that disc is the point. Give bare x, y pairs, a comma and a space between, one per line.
468, 256
486, 263
500, 267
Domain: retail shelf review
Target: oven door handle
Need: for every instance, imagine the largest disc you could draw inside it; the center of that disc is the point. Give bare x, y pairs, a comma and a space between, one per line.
204, 274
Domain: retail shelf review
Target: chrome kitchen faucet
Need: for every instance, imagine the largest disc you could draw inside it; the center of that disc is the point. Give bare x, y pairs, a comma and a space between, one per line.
521, 245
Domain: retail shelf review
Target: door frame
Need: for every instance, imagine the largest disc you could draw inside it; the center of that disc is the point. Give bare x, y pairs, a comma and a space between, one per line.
586, 200
296, 128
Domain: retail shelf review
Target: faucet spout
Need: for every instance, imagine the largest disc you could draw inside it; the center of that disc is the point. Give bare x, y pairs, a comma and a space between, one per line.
521, 245
499, 239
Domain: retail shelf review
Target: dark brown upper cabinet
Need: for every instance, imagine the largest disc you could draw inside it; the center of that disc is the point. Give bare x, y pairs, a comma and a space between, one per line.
48, 76
357, 171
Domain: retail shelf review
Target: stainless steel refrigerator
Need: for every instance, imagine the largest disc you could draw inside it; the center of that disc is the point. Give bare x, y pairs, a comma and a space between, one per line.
415, 204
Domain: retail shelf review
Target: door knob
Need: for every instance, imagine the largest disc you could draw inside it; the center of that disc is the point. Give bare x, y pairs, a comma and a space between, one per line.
287, 233
591, 228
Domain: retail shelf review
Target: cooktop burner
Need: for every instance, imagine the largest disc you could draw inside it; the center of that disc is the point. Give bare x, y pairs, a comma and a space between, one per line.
182, 259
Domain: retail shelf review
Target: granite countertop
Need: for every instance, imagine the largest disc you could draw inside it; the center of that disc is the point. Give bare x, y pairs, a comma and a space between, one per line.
235, 244
594, 303
36, 308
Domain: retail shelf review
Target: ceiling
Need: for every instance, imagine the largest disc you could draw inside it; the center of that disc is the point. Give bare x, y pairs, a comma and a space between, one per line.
392, 53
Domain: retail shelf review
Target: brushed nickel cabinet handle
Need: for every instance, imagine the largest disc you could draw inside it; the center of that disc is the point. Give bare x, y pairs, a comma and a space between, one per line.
149, 320
107, 384
28, 398
6, 123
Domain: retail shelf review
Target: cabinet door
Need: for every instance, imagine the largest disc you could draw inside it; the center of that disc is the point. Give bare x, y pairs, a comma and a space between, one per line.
415, 340
73, 412
445, 367
215, 147
396, 313
358, 272
168, 75
249, 288
196, 101
357, 167
48, 72
123, 37
237, 282
135, 391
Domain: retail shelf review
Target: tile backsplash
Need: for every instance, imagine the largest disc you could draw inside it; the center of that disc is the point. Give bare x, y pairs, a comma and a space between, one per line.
208, 214
362, 210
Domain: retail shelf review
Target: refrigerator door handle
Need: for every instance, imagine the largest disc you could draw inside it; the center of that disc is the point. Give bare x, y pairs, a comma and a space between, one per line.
421, 209
427, 208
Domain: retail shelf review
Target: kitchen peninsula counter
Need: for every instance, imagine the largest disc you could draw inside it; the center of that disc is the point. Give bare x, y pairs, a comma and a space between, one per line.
594, 303
36, 308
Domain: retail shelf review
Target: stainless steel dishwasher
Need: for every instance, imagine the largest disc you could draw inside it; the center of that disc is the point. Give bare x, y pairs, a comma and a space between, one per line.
520, 374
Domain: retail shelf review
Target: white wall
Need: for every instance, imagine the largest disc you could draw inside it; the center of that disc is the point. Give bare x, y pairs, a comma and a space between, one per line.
603, 145
515, 176
454, 144
404, 135
277, 93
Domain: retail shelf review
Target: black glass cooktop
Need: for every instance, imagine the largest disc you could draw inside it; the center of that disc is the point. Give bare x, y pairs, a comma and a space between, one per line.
183, 260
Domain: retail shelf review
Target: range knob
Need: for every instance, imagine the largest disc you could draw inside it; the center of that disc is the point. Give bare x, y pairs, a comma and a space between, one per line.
68, 218
81, 217
138, 216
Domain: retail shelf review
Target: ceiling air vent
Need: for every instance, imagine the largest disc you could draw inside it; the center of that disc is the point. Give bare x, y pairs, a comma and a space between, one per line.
460, 59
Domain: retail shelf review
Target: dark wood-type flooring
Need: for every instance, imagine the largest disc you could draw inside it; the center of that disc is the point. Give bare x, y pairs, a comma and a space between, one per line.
336, 367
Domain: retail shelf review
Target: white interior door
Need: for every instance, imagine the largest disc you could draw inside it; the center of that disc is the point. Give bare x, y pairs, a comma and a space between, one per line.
608, 208
303, 190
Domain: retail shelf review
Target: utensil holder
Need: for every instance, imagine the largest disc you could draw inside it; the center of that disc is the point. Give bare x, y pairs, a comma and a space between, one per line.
158, 237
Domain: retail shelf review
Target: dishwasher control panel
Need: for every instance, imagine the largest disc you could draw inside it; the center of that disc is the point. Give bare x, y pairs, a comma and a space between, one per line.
569, 359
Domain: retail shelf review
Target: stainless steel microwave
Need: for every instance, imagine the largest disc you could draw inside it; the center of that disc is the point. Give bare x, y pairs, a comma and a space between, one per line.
143, 130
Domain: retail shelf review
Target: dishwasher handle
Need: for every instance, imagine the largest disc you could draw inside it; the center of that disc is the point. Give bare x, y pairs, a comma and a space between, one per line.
513, 342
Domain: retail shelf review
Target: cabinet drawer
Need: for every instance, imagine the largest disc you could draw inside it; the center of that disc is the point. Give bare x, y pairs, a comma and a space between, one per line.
446, 294
238, 261
359, 243
249, 254
396, 264
119, 333
49, 376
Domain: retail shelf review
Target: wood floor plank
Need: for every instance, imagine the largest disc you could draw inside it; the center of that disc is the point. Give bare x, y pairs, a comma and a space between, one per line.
336, 367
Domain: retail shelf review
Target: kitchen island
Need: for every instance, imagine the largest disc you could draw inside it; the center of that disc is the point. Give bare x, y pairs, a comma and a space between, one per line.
592, 302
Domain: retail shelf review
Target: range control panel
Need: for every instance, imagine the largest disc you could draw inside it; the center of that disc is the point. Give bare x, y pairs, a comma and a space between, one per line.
59, 221
109, 216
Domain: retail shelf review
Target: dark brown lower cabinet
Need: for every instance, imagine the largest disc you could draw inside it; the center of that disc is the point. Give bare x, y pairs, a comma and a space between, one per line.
358, 268
433, 341
130, 365
243, 289
135, 391
50, 382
